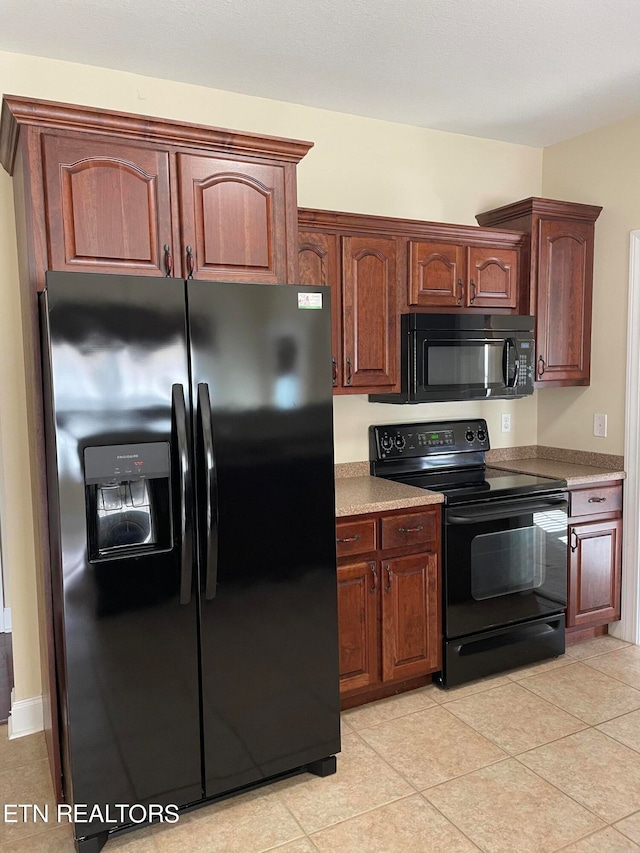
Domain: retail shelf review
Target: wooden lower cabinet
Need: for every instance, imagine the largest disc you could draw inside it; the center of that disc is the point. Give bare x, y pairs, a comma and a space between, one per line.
389, 609
595, 556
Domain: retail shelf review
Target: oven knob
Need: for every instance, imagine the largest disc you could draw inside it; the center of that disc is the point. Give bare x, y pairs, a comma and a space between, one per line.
386, 442
481, 434
469, 435
400, 442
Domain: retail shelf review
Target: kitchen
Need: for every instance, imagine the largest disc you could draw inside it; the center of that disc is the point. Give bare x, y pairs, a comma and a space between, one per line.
478, 175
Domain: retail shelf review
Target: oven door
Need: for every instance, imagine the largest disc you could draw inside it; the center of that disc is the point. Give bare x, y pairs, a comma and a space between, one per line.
504, 562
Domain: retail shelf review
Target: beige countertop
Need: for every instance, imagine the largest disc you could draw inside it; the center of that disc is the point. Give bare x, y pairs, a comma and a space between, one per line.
359, 495
573, 473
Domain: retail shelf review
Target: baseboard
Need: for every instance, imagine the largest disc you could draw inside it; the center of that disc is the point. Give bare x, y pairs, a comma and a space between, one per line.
5, 620
26, 717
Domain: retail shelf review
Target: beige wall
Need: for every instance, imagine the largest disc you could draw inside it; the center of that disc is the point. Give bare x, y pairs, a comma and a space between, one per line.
357, 164
600, 167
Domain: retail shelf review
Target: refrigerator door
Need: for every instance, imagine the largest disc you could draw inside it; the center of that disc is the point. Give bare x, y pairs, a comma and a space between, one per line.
261, 374
116, 378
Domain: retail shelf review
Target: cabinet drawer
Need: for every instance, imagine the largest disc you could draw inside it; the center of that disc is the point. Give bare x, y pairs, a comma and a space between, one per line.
355, 537
595, 500
415, 528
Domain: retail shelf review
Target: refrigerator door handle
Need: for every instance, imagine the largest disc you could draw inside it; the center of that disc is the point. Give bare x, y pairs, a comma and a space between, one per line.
211, 493
184, 488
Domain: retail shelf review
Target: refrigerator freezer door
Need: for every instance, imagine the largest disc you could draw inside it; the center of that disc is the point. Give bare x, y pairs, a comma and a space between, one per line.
114, 348
269, 621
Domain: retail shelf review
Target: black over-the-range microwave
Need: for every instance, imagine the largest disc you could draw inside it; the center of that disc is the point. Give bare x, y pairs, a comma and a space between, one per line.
464, 357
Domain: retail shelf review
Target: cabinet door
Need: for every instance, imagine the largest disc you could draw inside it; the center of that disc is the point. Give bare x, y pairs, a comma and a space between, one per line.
234, 219
595, 560
437, 274
410, 617
493, 278
563, 315
370, 317
358, 625
108, 206
318, 265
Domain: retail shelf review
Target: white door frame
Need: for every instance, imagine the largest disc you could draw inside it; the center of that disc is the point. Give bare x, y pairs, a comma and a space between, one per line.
629, 626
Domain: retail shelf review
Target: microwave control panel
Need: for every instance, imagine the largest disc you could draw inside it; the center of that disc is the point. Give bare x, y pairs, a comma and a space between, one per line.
402, 441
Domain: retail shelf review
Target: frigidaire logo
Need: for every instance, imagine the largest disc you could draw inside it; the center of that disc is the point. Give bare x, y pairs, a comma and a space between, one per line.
128, 456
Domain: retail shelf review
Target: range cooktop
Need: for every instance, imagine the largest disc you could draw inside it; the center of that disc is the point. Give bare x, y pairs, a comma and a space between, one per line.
448, 457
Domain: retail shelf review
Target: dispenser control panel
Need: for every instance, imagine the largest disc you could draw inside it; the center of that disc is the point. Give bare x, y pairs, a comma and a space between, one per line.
117, 463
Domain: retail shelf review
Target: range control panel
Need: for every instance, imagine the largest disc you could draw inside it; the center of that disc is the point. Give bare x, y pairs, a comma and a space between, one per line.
403, 441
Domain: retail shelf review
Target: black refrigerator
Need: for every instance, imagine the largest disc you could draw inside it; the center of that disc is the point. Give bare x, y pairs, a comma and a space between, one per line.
189, 446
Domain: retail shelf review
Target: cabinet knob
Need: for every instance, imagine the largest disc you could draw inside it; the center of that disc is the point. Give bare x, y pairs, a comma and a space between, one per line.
574, 541
411, 529
334, 374
389, 577
374, 578
168, 261
461, 291
348, 371
190, 262
541, 365
355, 538
474, 290
597, 500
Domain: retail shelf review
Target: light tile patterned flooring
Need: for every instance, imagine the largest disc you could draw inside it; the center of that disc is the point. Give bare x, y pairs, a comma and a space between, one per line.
541, 759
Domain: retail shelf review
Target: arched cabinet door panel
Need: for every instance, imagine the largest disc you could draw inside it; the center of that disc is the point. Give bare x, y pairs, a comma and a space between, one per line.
108, 206
233, 218
369, 309
493, 278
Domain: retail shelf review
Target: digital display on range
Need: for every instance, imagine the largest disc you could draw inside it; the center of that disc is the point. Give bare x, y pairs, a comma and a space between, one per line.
442, 438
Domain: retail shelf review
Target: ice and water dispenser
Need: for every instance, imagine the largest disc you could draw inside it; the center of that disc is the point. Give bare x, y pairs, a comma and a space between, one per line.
128, 494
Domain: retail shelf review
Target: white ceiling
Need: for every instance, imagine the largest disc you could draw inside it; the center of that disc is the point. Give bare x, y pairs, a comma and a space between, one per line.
527, 71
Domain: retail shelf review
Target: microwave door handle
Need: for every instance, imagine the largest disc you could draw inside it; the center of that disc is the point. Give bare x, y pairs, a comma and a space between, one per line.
511, 382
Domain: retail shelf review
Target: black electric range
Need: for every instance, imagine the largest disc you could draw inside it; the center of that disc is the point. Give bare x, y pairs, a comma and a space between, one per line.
504, 543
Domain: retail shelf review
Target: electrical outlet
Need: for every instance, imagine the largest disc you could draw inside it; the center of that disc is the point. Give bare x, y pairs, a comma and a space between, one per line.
600, 425
506, 422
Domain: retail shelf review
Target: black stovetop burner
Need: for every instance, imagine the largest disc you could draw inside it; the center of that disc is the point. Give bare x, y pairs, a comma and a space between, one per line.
448, 457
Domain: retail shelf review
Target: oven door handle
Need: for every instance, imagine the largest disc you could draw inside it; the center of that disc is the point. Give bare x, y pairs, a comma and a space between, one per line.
505, 509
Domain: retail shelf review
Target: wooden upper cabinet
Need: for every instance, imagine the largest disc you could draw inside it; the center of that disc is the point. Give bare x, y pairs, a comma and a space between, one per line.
493, 278
318, 264
109, 190
564, 301
232, 216
558, 282
369, 311
437, 274
107, 206
455, 275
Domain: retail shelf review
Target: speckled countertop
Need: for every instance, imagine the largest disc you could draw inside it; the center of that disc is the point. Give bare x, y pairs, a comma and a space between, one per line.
360, 494
573, 473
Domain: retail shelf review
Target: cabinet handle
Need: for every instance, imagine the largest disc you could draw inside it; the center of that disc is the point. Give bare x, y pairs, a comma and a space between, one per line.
389, 577
349, 538
475, 293
335, 370
374, 578
348, 371
168, 262
597, 500
461, 289
190, 262
574, 541
411, 529
541, 365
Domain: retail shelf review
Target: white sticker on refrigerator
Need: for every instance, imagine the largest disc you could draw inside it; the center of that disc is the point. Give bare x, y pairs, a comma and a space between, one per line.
309, 300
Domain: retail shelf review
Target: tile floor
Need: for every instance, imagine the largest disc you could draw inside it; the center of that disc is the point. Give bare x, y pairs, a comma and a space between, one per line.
541, 759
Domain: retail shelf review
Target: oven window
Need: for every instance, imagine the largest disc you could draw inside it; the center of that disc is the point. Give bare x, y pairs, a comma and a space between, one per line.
506, 562
467, 363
